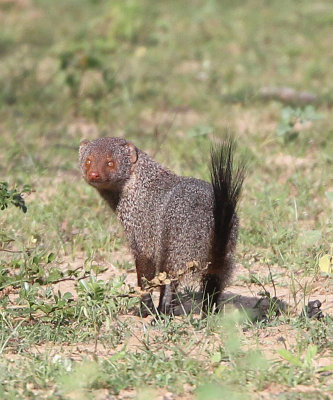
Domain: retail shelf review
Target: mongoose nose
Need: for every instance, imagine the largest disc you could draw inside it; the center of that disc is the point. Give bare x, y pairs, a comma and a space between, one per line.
93, 175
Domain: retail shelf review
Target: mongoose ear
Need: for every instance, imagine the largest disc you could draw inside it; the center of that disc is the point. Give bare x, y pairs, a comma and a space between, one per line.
133, 152
84, 142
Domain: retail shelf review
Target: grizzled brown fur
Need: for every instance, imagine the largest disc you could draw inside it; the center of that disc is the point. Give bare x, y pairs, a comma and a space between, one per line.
168, 220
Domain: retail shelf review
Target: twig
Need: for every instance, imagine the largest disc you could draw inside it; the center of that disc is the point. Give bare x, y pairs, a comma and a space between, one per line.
17, 286
272, 280
12, 251
69, 279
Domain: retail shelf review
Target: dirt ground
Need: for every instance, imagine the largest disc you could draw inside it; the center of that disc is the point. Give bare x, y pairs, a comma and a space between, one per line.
239, 294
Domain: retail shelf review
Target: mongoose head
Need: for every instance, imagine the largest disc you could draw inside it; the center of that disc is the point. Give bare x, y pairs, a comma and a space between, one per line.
107, 163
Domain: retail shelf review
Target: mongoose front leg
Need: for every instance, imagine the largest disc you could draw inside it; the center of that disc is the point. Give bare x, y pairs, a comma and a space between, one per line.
147, 306
167, 298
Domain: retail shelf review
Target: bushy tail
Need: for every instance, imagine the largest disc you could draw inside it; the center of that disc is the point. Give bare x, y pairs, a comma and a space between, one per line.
227, 183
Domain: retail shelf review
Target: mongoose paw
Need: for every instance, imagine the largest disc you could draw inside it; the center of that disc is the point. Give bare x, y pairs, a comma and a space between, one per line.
147, 307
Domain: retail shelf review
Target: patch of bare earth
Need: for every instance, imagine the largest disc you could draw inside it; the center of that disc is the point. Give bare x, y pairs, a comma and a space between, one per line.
294, 291
289, 165
246, 122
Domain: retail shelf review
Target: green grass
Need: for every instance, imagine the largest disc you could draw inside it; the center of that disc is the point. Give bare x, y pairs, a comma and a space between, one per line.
172, 77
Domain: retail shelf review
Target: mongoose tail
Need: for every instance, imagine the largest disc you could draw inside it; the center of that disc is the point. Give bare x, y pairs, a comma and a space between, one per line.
227, 182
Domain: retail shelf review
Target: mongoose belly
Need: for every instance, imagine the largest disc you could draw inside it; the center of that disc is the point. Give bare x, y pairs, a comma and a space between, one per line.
188, 224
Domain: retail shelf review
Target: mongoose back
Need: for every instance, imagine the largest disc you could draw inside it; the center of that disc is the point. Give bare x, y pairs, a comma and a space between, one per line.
169, 220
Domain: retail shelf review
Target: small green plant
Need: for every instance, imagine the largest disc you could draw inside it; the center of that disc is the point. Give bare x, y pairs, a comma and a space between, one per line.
100, 301
301, 369
79, 379
293, 120
305, 362
31, 265
13, 196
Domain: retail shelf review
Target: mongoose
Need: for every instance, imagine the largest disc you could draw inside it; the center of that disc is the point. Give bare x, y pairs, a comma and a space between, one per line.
169, 220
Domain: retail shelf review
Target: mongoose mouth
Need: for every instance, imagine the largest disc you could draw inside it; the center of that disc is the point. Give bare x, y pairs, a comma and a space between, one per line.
99, 183
103, 184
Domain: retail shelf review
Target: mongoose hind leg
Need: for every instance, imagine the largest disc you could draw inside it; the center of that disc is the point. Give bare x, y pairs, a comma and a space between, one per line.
219, 272
211, 291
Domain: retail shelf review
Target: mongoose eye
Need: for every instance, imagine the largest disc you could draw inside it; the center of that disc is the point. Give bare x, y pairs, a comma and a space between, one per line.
110, 164
88, 162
